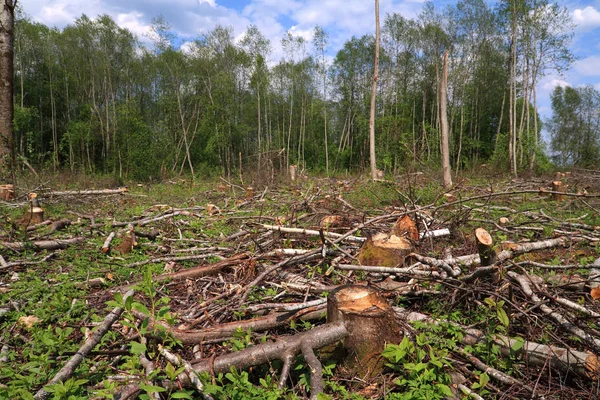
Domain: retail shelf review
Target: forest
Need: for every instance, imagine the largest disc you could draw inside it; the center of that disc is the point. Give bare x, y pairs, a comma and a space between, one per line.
94, 98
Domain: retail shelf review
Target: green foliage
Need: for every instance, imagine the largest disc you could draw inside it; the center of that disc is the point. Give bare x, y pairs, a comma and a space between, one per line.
424, 370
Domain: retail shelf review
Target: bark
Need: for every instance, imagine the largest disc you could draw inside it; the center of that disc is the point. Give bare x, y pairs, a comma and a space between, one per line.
371, 325
42, 244
373, 96
69, 369
385, 250
304, 342
487, 255
7, 23
87, 192
444, 120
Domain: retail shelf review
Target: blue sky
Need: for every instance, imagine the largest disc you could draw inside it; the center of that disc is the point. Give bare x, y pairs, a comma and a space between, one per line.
340, 18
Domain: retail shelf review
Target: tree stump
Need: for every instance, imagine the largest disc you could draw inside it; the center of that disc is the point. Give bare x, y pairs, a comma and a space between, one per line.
387, 250
293, 169
371, 325
7, 192
557, 186
487, 255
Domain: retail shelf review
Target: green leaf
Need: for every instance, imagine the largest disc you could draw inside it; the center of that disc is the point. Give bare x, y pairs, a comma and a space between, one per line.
137, 348
483, 379
181, 395
152, 388
518, 344
502, 317
128, 303
141, 308
445, 390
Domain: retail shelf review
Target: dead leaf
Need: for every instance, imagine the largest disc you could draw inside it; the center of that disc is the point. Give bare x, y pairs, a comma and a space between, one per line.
29, 321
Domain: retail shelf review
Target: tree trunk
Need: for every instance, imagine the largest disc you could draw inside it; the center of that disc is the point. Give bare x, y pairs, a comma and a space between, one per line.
444, 120
373, 96
7, 23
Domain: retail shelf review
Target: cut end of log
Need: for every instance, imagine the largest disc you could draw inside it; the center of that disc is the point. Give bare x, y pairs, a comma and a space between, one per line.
595, 293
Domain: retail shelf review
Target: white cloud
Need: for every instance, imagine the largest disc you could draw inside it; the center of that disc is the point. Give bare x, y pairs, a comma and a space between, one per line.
550, 85
209, 2
133, 21
587, 18
589, 66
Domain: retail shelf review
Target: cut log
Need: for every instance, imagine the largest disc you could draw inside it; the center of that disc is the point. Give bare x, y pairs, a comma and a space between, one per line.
385, 250
7, 192
557, 186
487, 255
371, 325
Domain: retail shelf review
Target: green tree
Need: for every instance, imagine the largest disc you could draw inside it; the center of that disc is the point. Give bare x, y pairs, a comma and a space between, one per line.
575, 126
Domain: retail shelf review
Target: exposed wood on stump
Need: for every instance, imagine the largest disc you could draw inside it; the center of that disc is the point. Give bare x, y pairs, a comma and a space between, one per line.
293, 169
7, 192
558, 187
385, 250
406, 226
487, 255
371, 324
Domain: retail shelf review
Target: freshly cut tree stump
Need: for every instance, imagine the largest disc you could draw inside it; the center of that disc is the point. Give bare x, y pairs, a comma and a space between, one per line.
557, 186
371, 325
35, 214
386, 250
7, 192
487, 255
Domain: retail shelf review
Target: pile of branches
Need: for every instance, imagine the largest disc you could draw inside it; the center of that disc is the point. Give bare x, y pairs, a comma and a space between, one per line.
273, 272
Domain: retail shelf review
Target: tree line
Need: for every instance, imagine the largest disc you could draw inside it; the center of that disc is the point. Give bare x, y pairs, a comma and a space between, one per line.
93, 98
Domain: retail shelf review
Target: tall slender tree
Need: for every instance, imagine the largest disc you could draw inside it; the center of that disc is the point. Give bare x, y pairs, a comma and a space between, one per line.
7, 24
374, 95
444, 123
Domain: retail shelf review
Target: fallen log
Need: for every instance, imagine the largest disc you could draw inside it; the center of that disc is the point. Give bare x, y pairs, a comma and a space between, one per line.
86, 192
42, 244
